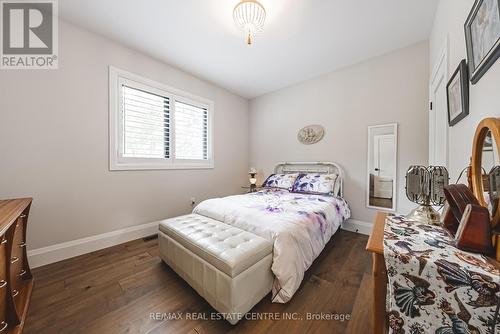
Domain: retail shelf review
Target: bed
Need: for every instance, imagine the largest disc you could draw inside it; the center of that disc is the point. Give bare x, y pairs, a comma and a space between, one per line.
234, 250
298, 225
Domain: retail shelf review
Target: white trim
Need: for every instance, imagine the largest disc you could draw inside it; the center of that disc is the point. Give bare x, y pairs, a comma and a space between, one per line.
58, 252
357, 226
394, 172
442, 57
65, 250
440, 67
116, 162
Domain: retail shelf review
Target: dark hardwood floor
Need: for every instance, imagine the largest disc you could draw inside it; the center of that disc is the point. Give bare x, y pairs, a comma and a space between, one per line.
116, 290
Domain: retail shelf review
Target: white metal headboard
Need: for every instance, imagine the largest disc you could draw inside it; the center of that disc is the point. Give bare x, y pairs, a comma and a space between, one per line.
319, 167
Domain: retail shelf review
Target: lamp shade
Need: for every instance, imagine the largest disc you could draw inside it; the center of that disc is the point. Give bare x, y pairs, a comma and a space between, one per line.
249, 16
252, 172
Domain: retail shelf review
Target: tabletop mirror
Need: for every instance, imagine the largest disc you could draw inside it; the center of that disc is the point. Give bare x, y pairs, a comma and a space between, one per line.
486, 166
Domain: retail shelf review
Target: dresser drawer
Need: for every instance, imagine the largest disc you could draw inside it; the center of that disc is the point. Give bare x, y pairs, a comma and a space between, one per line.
3, 257
17, 260
3, 280
16, 281
18, 242
3, 303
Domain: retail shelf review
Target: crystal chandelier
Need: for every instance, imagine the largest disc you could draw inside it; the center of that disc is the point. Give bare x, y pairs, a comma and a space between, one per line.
249, 16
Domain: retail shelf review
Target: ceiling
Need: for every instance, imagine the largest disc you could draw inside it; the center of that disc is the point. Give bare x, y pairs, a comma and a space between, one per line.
301, 39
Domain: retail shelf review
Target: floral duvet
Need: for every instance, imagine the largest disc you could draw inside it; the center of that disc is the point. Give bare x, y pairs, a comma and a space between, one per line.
299, 226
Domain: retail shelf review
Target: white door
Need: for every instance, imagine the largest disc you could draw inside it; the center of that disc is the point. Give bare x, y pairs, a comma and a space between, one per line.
438, 113
383, 151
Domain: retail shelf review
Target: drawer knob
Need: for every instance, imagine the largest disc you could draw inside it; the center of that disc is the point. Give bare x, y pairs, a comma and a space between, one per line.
3, 283
15, 292
4, 241
3, 326
23, 216
14, 259
22, 244
22, 273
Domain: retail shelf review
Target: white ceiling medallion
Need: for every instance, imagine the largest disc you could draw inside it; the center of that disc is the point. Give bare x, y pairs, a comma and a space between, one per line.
249, 16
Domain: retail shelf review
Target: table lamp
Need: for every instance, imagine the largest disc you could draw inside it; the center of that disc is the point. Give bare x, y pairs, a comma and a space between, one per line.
424, 186
253, 178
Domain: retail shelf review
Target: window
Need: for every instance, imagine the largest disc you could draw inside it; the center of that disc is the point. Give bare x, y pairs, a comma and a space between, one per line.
146, 120
153, 126
190, 131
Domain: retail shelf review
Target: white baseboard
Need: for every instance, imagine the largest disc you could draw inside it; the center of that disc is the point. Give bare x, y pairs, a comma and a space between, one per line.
58, 252
54, 253
357, 226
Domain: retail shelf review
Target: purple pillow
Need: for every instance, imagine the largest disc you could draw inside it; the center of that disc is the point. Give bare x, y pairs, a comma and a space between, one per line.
323, 184
283, 181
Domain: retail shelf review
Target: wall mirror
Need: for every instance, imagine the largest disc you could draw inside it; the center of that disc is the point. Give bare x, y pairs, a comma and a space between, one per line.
382, 166
486, 166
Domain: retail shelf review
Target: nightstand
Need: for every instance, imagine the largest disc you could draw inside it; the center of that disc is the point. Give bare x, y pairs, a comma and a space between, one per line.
251, 189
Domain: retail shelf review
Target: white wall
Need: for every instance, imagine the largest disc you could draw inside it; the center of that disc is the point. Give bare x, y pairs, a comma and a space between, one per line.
54, 144
59, 121
484, 96
387, 89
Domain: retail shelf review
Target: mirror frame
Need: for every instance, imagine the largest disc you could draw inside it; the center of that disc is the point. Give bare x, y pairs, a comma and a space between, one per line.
395, 183
487, 124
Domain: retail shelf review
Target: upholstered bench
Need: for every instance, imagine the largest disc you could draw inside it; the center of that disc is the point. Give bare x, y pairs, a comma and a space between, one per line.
229, 267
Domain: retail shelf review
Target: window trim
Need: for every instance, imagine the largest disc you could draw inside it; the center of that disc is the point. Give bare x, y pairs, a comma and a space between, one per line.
116, 161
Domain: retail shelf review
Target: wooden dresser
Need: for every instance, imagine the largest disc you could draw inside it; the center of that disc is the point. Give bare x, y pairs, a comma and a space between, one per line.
16, 281
375, 246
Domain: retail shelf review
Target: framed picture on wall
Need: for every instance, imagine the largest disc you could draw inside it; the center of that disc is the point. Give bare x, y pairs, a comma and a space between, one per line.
457, 93
482, 36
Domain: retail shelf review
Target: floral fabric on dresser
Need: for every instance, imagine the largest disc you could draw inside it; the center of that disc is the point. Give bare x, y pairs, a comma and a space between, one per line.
315, 183
435, 287
283, 181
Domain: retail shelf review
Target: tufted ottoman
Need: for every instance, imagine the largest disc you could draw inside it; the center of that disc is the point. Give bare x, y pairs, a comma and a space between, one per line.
229, 267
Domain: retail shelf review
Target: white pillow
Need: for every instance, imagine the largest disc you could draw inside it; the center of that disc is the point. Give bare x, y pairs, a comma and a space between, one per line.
314, 183
283, 181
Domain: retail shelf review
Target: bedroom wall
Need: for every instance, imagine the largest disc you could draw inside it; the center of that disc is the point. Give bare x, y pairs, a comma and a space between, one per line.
484, 96
387, 89
54, 144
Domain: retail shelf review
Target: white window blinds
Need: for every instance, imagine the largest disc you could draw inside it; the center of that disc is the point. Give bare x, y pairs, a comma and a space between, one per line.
191, 138
154, 126
146, 124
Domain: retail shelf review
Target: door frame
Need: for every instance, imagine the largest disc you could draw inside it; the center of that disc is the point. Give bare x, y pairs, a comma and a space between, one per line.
439, 73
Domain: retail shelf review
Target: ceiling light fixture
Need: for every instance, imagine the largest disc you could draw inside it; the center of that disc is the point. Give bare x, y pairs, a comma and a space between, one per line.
249, 16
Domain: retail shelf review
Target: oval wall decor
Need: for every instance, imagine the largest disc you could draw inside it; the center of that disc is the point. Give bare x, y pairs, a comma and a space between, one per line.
311, 134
